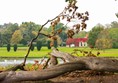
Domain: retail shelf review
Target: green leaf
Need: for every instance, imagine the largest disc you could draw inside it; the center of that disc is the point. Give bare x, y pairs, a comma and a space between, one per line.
66, 0
117, 15
70, 1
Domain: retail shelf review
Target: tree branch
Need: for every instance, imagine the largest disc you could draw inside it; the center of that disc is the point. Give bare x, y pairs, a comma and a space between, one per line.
30, 45
37, 37
15, 76
83, 63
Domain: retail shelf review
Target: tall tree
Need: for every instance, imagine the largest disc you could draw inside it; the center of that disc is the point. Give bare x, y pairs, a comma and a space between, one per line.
114, 24
81, 34
16, 37
29, 29
114, 36
6, 37
103, 41
93, 34
7, 31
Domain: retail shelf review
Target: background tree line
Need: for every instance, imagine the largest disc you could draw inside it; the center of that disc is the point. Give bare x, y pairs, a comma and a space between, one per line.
103, 37
99, 36
22, 34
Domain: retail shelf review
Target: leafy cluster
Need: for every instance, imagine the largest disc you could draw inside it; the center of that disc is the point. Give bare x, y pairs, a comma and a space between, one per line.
35, 66
69, 14
85, 53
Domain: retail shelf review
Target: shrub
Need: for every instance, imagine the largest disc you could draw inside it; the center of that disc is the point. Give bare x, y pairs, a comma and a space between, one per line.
15, 47
8, 47
39, 45
55, 43
48, 44
32, 47
103, 43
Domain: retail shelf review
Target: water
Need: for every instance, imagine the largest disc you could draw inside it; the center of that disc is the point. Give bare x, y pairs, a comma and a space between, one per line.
14, 61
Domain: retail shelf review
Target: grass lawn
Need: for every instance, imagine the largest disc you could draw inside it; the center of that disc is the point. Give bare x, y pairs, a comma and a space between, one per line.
21, 52
103, 53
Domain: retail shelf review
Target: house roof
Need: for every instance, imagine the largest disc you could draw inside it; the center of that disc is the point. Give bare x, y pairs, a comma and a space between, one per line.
80, 39
75, 40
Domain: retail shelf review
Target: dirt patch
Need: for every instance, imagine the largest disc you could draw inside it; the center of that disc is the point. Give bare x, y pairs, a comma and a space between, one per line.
87, 77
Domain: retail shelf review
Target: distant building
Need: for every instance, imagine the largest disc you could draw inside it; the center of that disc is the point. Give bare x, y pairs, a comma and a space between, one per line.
76, 42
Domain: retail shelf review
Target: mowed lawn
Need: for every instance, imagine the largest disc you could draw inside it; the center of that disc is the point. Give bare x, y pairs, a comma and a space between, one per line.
21, 52
103, 53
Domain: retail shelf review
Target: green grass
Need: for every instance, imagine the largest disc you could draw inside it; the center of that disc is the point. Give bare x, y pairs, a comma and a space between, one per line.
21, 52
109, 53
103, 53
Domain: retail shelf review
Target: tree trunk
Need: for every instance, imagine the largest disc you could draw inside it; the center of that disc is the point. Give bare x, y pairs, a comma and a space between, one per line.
73, 63
15, 76
93, 63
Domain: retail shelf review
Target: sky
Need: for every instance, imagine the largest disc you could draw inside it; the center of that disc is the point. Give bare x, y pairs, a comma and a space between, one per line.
39, 11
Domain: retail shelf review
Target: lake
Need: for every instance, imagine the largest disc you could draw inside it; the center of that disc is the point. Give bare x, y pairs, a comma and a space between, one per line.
14, 61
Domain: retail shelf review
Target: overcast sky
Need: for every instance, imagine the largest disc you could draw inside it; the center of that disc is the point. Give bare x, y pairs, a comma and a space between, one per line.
39, 11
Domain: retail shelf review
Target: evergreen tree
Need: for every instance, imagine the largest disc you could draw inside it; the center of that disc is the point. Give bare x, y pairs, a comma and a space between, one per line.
48, 44
55, 44
32, 47
8, 47
15, 47
39, 45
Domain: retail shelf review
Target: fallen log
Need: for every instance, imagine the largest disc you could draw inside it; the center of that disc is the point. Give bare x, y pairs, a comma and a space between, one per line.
83, 63
93, 63
15, 76
72, 63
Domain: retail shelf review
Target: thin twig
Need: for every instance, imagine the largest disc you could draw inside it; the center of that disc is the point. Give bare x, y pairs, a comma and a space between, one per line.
30, 45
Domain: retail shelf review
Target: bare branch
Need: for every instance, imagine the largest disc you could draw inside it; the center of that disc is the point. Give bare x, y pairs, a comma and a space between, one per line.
37, 37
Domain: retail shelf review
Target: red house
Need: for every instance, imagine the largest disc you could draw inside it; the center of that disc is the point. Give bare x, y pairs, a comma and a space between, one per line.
76, 42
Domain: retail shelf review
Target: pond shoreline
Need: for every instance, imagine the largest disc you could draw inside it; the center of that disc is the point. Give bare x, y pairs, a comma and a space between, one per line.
6, 61
23, 57
46, 57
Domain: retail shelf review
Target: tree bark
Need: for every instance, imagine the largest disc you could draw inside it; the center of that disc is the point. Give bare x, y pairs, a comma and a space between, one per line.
93, 63
73, 63
15, 76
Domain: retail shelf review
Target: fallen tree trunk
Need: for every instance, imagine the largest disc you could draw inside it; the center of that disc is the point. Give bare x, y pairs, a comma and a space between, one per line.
83, 63
15, 76
73, 63
93, 63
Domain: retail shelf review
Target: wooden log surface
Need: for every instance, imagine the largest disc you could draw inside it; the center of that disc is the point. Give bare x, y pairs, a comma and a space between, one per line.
73, 63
